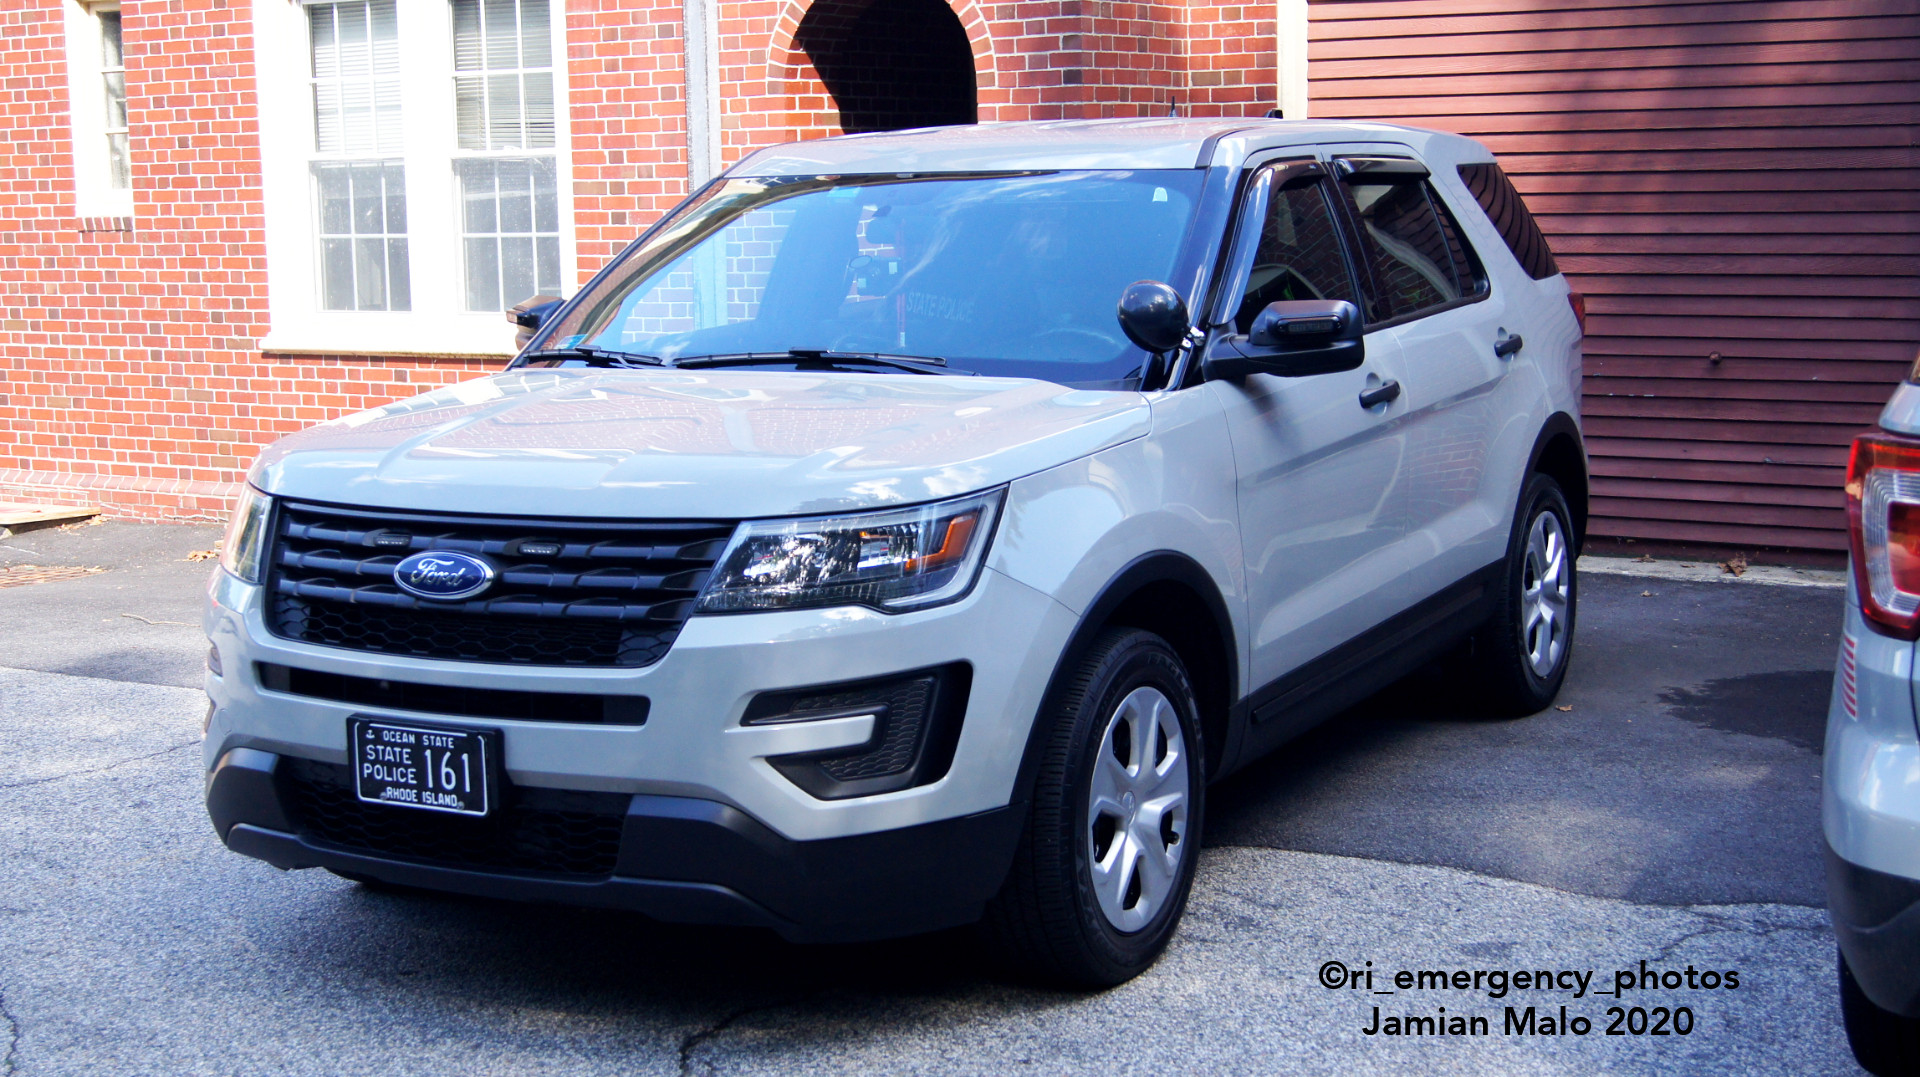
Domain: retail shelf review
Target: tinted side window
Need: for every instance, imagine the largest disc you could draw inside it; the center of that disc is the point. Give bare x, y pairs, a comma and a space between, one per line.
1494, 191
1299, 254
1406, 246
1467, 268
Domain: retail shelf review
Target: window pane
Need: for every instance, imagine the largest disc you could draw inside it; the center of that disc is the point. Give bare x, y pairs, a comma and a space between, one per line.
1497, 196
483, 274
546, 198
116, 98
503, 35
336, 266
470, 112
1298, 257
326, 45
400, 288
536, 42
356, 60
503, 112
336, 204
370, 274
516, 198
516, 268
119, 169
539, 106
1404, 246
466, 36
546, 251
480, 200
1465, 264
394, 177
111, 54
369, 201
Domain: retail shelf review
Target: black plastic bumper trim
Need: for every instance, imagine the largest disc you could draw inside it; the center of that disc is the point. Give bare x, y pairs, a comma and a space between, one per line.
688, 860
1876, 917
679, 902
454, 700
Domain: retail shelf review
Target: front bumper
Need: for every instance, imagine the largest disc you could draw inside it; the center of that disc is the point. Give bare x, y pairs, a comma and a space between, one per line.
693, 742
680, 859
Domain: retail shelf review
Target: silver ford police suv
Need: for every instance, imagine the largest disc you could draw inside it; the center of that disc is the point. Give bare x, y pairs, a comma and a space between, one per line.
906, 529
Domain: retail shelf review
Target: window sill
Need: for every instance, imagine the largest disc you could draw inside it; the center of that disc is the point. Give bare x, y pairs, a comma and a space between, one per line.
398, 335
97, 205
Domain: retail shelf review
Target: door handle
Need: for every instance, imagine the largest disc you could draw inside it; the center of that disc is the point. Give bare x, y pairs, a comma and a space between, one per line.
1384, 393
1507, 345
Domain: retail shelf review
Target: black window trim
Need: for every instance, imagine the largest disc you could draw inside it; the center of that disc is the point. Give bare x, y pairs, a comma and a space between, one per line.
1425, 177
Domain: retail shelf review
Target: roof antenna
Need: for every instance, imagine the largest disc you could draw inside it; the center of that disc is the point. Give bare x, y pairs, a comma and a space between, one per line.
1173, 107
1275, 114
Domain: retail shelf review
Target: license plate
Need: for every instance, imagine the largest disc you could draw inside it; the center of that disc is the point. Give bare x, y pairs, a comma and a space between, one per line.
427, 767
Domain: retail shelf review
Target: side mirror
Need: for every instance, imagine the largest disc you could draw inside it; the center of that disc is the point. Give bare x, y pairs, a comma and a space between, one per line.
1294, 340
529, 314
1153, 315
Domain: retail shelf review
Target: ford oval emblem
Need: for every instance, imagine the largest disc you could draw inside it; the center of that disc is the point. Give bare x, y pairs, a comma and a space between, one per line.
443, 575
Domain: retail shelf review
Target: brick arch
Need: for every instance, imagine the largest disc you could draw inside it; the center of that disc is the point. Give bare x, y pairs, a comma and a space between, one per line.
801, 105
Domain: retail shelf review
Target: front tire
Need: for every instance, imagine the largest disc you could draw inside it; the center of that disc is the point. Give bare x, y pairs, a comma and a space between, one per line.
1884, 1043
1520, 658
1107, 859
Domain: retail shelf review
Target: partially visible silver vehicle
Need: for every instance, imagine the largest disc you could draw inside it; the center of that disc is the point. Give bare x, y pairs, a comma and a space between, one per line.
1871, 803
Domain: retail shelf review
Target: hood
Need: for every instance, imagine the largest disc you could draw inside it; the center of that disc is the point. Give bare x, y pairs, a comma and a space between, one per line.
695, 444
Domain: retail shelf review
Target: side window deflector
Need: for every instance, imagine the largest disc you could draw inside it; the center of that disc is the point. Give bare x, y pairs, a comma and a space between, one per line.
1381, 170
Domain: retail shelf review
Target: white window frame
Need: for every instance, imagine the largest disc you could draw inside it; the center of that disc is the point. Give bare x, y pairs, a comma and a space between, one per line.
94, 194
439, 323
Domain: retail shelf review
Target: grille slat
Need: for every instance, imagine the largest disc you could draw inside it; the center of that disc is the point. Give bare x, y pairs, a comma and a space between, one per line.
598, 593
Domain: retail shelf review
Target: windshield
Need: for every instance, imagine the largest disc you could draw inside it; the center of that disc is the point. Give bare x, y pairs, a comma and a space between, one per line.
1000, 274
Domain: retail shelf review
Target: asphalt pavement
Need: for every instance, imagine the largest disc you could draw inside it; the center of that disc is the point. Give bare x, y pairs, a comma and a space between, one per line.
1669, 817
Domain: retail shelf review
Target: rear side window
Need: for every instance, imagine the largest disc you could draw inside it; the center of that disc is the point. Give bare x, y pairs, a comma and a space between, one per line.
1494, 191
1410, 245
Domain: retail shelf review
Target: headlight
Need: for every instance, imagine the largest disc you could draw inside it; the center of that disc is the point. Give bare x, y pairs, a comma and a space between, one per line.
897, 560
244, 551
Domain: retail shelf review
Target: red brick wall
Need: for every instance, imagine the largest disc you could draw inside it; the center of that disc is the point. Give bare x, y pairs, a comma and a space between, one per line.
130, 377
130, 373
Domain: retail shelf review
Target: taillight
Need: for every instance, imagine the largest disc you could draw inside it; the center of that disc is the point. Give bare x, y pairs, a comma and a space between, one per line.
1883, 517
1579, 304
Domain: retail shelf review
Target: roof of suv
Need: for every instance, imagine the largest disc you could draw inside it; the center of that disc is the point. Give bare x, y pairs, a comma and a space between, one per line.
1063, 144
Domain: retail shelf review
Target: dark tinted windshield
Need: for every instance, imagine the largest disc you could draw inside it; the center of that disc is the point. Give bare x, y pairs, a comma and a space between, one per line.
1004, 274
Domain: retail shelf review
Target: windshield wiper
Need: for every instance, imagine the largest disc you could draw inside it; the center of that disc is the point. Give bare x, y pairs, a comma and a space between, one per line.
598, 356
914, 364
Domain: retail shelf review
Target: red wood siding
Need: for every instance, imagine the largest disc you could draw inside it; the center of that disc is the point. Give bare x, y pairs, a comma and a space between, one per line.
1734, 185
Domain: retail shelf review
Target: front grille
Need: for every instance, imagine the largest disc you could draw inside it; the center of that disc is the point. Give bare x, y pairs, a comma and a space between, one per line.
547, 832
567, 593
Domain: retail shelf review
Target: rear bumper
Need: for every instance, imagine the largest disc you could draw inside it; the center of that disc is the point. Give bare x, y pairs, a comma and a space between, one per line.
681, 859
1876, 918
